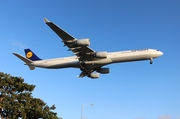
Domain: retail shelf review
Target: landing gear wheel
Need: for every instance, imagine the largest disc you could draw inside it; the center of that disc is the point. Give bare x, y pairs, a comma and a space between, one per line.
82, 66
151, 60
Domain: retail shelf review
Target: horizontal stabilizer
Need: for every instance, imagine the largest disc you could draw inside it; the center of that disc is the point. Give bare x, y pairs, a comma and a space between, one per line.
31, 67
27, 61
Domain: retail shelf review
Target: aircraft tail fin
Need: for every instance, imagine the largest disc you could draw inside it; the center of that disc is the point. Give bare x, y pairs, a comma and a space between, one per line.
27, 61
31, 55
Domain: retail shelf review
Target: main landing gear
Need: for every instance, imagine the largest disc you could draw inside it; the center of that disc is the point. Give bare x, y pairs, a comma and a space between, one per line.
82, 65
151, 60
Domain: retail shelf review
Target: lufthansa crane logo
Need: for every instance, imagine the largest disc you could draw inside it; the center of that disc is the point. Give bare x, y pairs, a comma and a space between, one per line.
29, 54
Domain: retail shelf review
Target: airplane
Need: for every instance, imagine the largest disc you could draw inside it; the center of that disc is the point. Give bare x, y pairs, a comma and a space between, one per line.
90, 62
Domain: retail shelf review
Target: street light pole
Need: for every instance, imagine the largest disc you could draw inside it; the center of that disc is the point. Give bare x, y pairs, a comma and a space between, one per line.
82, 108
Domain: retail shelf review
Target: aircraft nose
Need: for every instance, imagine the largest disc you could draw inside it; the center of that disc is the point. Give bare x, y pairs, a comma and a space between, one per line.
160, 53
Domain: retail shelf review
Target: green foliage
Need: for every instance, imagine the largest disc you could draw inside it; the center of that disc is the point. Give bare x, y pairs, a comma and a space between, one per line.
16, 100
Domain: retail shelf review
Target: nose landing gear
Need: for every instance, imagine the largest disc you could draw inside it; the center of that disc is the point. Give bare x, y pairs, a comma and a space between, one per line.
151, 60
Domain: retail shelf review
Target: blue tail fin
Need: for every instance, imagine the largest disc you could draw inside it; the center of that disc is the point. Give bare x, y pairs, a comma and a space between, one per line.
30, 55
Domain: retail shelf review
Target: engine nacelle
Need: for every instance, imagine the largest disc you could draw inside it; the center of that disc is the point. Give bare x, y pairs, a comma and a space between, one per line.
103, 70
101, 54
83, 42
94, 75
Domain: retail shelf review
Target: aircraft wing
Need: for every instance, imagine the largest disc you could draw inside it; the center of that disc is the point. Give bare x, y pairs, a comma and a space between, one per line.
84, 53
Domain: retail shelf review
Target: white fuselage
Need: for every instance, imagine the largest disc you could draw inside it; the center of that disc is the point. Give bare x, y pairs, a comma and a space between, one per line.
112, 57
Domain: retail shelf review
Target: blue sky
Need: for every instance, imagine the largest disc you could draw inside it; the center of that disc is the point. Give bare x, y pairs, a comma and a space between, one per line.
135, 90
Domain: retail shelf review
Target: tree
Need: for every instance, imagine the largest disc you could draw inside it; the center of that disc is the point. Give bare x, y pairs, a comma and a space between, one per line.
16, 100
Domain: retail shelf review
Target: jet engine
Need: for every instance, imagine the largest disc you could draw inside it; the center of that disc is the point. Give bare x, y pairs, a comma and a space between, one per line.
94, 75
101, 54
103, 70
83, 42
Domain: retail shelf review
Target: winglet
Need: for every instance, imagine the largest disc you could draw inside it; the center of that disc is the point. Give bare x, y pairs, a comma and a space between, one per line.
46, 20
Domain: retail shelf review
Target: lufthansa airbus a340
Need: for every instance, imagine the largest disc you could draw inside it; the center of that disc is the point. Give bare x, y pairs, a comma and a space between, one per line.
86, 59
